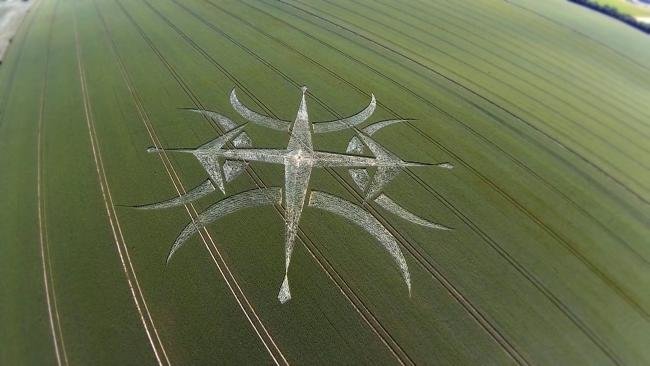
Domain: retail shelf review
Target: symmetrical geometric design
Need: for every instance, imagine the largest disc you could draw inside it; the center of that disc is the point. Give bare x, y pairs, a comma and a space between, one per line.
223, 164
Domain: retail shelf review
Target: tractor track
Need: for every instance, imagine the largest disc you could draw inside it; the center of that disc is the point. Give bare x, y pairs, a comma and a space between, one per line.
118, 238
472, 310
581, 325
46, 260
343, 286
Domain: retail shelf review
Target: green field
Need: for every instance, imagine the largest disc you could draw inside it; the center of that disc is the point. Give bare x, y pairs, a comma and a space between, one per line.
541, 106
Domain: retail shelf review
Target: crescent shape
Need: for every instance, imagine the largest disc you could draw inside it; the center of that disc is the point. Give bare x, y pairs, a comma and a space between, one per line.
363, 219
252, 198
371, 129
192, 195
224, 122
391, 206
349, 122
256, 118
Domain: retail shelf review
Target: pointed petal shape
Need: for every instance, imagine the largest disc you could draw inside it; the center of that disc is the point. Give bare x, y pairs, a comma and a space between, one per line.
211, 165
301, 129
243, 140
232, 169
355, 146
285, 293
383, 176
360, 177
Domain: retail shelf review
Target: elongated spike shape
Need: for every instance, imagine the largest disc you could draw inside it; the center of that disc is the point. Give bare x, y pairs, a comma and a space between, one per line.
298, 165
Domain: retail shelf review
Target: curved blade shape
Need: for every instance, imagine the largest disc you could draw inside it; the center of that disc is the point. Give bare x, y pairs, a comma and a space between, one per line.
256, 118
224, 122
370, 130
391, 206
341, 124
366, 221
192, 195
252, 198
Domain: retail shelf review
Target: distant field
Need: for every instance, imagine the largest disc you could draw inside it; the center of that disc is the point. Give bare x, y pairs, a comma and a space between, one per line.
541, 106
626, 7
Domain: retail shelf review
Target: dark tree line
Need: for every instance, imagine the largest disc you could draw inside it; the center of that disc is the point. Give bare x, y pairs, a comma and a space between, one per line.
614, 13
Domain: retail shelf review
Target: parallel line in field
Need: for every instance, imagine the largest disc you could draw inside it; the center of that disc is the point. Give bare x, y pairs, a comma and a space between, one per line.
604, 190
527, 35
590, 265
591, 334
587, 332
582, 34
580, 324
514, 65
432, 106
396, 115
472, 310
470, 90
533, 279
129, 272
577, 81
551, 297
523, 92
231, 282
46, 261
240, 295
323, 263
345, 185
343, 286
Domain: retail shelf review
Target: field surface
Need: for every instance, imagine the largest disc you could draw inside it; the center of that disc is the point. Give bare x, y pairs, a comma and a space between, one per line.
540, 106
